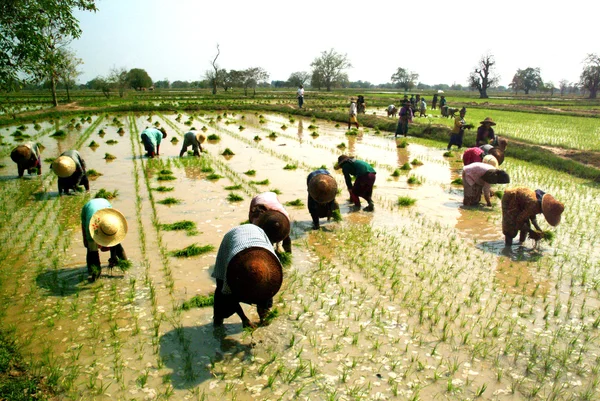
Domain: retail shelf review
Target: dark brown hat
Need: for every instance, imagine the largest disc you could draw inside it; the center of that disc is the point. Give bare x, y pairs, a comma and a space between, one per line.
341, 160
20, 154
498, 154
254, 275
164, 132
495, 176
487, 120
275, 224
552, 209
322, 188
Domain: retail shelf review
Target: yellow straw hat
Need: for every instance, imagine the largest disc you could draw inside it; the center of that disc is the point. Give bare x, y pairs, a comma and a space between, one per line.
200, 138
491, 160
64, 166
108, 227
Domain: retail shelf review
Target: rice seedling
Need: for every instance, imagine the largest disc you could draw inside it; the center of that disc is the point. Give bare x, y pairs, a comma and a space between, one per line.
290, 167
296, 203
396, 173
250, 172
416, 162
213, 137
124, 264
112, 142
169, 201
59, 134
233, 187
37, 127
49, 159
257, 138
227, 152
204, 129
93, 174
207, 169
232, 197
166, 177
402, 144
341, 146
405, 167
336, 215
457, 181
498, 194
352, 132
275, 190
263, 182
108, 156
314, 134
413, 180
213, 177
241, 128
174, 140
103, 193
285, 258
192, 250
165, 172
405, 201
448, 154
199, 301
93, 144
272, 135
120, 131
184, 225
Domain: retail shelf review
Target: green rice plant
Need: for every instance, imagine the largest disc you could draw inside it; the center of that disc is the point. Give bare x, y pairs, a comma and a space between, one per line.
234, 187
314, 134
271, 315
124, 264
285, 258
284, 127
199, 301
93, 144
250, 172
166, 178
290, 167
257, 138
49, 159
17, 133
163, 189
108, 156
396, 173
103, 193
448, 154
405, 201
241, 128
192, 250
234, 197
352, 132
207, 169
297, 203
37, 127
413, 180
337, 125
275, 190
416, 162
263, 182
213, 177
112, 142
165, 172
313, 127
2, 165
59, 134
341, 146
227, 152
402, 144
213, 137
336, 215
174, 140
101, 132
169, 201
120, 130
272, 135
499, 194
405, 167
183, 225
457, 181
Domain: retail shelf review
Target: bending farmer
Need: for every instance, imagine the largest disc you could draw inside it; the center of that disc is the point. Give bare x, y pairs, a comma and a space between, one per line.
70, 169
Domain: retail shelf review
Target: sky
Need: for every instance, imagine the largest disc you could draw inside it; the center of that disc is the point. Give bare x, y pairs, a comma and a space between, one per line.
441, 41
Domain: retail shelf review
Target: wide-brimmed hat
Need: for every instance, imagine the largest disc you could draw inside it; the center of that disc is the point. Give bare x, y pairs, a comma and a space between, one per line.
487, 120
352, 99
254, 275
20, 153
491, 160
495, 176
108, 227
275, 224
498, 154
552, 209
322, 188
200, 138
64, 166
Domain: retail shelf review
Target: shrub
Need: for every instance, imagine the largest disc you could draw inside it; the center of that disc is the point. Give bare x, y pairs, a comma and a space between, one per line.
396, 173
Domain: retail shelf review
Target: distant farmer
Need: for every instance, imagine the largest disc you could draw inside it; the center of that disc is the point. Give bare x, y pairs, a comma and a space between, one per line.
246, 270
365, 178
520, 207
151, 137
458, 131
422, 108
443, 101
434, 101
322, 189
103, 228
195, 139
392, 111
300, 96
352, 114
406, 116
361, 106
477, 178
485, 132
269, 214
70, 169
412, 101
27, 156
477, 154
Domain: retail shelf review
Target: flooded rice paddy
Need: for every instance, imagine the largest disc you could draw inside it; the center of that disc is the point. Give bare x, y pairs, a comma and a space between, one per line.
420, 302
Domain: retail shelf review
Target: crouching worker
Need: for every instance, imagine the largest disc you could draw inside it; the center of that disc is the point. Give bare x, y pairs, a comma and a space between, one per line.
365, 179
194, 139
247, 270
478, 177
269, 214
103, 228
521, 206
27, 156
70, 169
322, 189
151, 138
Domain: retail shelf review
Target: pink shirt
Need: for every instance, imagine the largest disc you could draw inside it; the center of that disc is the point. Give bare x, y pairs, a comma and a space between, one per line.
474, 172
270, 201
472, 155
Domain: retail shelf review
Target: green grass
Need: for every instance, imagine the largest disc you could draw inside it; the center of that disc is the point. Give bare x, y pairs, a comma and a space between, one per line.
271, 315
213, 177
406, 201
192, 250
234, 197
103, 193
234, 187
228, 152
183, 225
250, 172
169, 201
263, 182
199, 301
108, 156
297, 202
163, 189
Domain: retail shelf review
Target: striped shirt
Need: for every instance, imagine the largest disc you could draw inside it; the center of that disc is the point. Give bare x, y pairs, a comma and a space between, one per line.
236, 240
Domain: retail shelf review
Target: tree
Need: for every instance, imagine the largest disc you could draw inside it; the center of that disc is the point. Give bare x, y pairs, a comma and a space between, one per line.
527, 79
405, 79
24, 42
254, 76
101, 84
549, 87
180, 85
119, 78
138, 78
316, 80
590, 76
563, 84
69, 70
215, 75
298, 78
330, 67
164, 84
483, 77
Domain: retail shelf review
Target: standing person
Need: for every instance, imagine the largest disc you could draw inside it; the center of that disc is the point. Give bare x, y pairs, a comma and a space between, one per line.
365, 179
406, 115
70, 169
151, 137
352, 114
434, 101
458, 131
423, 108
300, 96
246, 270
412, 101
322, 189
269, 214
485, 132
195, 139
27, 156
361, 105
443, 101
477, 178
520, 207
103, 228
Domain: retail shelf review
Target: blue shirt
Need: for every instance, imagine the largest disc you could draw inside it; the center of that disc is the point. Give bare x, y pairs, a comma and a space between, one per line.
88, 211
316, 173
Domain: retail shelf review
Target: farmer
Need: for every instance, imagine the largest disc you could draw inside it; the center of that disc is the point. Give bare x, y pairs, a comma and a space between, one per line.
406, 116
352, 114
422, 108
70, 169
434, 101
458, 131
521, 205
269, 214
103, 228
195, 139
392, 111
443, 101
322, 189
477, 178
300, 96
365, 178
247, 270
477, 154
27, 156
485, 132
151, 137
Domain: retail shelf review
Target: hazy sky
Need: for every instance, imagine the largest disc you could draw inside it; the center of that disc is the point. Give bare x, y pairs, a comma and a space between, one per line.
440, 40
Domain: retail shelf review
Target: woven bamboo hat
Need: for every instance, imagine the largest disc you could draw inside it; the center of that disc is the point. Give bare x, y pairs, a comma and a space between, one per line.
491, 160
487, 120
64, 166
108, 227
254, 275
275, 224
552, 209
322, 188
200, 138
20, 153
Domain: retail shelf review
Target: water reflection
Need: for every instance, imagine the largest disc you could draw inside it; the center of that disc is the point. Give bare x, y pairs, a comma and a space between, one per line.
300, 131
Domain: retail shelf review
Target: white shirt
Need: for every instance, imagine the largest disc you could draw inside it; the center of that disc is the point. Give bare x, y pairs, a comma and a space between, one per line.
300, 92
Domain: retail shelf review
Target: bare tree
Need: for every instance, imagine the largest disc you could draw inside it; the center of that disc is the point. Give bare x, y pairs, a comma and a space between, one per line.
69, 71
563, 84
483, 76
117, 77
590, 77
330, 67
215, 78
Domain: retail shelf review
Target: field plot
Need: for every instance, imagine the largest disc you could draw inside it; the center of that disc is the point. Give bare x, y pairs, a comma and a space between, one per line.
409, 302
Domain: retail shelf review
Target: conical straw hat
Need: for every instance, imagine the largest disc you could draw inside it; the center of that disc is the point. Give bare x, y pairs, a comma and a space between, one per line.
108, 227
20, 153
254, 275
322, 188
275, 224
552, 209
64, 166
491, 160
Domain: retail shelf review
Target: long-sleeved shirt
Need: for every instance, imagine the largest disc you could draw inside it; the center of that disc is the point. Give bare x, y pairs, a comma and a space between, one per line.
459, 122
154, 135
353, 109
475, 171
484, 135
355, 168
